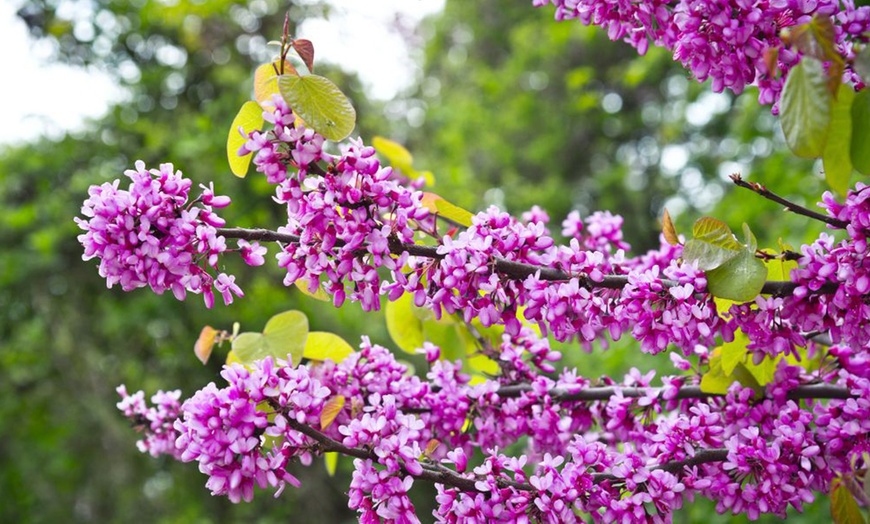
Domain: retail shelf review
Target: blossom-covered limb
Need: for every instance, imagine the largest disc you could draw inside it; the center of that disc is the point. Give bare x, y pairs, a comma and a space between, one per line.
511, 269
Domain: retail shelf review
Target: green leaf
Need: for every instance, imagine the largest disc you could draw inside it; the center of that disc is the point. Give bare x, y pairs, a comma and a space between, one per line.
805, 108
860, 147
713, 244
249, 118
740, 278
322, 346
836, 157
844, 507
285, 334
320, 103
330, 458
404, 327
817, 39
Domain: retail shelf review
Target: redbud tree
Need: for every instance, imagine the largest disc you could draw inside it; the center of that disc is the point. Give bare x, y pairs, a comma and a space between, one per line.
769, 404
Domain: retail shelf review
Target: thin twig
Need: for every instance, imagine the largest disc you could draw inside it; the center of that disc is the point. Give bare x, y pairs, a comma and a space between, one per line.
789, 205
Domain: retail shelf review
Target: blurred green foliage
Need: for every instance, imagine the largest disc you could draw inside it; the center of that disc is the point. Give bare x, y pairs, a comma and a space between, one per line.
512, 109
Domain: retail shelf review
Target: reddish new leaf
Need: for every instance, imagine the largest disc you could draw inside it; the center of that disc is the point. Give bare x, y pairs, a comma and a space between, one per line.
306, 52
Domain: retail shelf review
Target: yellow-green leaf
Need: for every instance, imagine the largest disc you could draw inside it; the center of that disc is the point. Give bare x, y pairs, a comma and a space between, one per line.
205, 343
483, 364
249, 118
321, 345
266, 80
285, 334
330, 458
318, 294
717, 381
734, 352
395, 153
249, 347
331, 410
404, 327
436, 204
779, 269
844, 507
232, 358
836, 158
320, 103
763, 371
454, 212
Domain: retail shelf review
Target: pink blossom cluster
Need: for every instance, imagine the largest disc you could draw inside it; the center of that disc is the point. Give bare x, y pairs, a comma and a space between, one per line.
345, 216
157, 421
625, 457
730, 42
353, 217
151, 235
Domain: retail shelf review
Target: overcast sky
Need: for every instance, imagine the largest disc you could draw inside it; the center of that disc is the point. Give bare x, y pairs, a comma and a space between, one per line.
32, 104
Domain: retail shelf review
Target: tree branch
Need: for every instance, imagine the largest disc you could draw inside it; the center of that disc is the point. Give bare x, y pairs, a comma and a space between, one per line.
436, 473
808, 391
789, 205
509, 268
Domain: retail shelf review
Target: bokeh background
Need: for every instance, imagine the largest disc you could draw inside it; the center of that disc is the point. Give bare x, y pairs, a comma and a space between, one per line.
504, 105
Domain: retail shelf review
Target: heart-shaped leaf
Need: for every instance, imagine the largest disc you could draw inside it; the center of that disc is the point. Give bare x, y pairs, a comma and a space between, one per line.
740, 278
320, 103
322, 346
713, 244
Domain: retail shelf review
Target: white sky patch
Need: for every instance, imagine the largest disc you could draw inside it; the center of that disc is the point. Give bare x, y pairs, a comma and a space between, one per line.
49, 99
41, 98
362, 37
